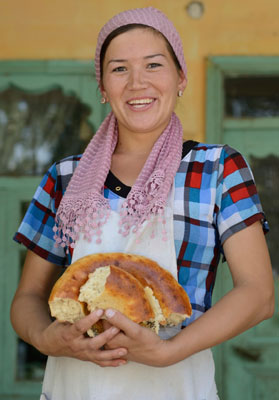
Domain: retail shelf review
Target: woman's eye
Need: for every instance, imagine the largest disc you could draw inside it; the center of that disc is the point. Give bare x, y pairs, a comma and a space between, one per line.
153, 65
119, 69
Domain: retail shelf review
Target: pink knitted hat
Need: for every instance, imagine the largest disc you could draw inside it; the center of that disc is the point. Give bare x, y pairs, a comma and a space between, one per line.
146, 16
83, 208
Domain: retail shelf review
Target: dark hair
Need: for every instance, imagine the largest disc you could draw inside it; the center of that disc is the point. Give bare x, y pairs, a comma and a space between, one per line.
129, 27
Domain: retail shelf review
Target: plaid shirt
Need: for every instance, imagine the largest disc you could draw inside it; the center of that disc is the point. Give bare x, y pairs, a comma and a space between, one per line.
215, 196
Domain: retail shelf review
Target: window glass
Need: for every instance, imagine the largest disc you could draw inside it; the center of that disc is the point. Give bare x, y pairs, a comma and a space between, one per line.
266, 176
37, 129
30, 363
252, 96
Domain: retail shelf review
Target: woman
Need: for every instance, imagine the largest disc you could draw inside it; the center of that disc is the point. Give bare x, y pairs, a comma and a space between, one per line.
133, 192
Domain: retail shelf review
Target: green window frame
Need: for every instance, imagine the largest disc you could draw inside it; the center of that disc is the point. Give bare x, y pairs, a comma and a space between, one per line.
219, 67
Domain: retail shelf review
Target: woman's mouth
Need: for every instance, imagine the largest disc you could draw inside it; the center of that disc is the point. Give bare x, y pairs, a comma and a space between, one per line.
141, 104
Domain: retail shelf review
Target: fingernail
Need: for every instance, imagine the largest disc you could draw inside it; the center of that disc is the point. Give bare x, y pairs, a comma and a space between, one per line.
110, 313
99, 313
122, 362
122, 353
114, 330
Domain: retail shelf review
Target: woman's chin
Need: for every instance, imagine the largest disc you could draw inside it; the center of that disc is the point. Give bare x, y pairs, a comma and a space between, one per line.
140, 125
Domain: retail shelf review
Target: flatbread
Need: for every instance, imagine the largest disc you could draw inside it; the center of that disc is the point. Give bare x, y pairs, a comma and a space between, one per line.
169, 301
112, 287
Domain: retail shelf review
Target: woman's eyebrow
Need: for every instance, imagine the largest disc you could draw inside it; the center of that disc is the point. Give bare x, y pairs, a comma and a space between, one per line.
121, 60
117, 61
154, 55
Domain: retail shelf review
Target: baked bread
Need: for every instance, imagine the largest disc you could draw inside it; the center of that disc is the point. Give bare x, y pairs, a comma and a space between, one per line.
168, 301
113, 287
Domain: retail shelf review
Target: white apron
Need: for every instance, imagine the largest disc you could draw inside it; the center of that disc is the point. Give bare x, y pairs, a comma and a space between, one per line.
191, 379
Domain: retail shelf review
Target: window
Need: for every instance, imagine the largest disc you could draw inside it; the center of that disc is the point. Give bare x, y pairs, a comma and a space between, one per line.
37, 129
252, 96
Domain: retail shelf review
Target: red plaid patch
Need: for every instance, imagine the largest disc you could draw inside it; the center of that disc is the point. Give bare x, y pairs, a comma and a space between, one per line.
242, 191
234, 164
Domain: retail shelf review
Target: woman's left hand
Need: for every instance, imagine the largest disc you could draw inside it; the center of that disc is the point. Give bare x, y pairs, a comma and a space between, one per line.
249, 302
143, 345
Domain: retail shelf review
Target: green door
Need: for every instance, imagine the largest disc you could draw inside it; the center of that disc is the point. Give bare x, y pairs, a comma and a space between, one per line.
48, 110
20, 369
245, 91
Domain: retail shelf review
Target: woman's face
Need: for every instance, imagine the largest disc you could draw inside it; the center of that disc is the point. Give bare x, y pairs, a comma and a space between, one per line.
141, 81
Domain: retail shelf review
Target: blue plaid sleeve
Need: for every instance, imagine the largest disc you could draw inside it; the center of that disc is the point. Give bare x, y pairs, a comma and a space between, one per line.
35, 231
215, 196
237, 200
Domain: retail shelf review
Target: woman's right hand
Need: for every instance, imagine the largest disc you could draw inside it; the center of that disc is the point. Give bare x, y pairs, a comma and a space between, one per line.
31, 320
69, 340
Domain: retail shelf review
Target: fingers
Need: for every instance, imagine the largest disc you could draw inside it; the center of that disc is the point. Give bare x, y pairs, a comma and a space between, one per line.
90, 349
143, 345
120, 321
104, 337
112, 363
80, 327
110, 355
106, 324
75, 335
104, 358
65, 339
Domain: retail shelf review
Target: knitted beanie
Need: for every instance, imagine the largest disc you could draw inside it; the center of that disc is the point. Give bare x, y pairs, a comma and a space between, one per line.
148, 16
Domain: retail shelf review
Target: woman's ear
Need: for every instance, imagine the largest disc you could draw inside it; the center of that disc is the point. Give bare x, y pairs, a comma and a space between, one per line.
103, 93
182, 81
102, 88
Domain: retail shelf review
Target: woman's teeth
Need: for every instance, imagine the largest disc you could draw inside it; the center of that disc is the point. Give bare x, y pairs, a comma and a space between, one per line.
140, 103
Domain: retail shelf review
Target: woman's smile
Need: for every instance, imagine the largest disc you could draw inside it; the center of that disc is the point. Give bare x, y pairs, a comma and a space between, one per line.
141, 104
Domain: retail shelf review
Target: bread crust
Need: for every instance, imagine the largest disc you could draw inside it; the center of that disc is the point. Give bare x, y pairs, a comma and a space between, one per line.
171, 296
124, 293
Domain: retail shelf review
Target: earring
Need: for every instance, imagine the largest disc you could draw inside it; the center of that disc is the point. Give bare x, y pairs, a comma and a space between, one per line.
180, 93
103, 100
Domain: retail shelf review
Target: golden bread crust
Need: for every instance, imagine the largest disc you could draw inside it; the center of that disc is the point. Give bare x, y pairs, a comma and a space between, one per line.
171, 296
124, 293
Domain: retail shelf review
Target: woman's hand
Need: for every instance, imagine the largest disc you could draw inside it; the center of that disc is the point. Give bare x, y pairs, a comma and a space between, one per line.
249, 302
143, 345
69, 340
31, 320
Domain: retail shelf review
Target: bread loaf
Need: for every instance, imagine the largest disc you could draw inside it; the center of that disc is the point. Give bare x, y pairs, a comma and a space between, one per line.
135, 285
111, 287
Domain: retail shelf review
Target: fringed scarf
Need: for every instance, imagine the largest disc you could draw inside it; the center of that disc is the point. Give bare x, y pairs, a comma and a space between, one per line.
84, 209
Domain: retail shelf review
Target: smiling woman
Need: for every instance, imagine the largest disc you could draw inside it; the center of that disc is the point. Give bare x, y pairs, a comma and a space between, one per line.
138, 189
142, 89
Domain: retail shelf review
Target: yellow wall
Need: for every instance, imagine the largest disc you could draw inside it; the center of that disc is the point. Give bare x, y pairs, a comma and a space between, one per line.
67, 29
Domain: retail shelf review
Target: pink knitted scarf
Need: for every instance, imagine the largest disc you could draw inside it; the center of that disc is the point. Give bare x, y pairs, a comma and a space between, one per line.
83, 208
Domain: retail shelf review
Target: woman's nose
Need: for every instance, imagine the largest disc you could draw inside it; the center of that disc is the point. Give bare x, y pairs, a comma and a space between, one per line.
136, 79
